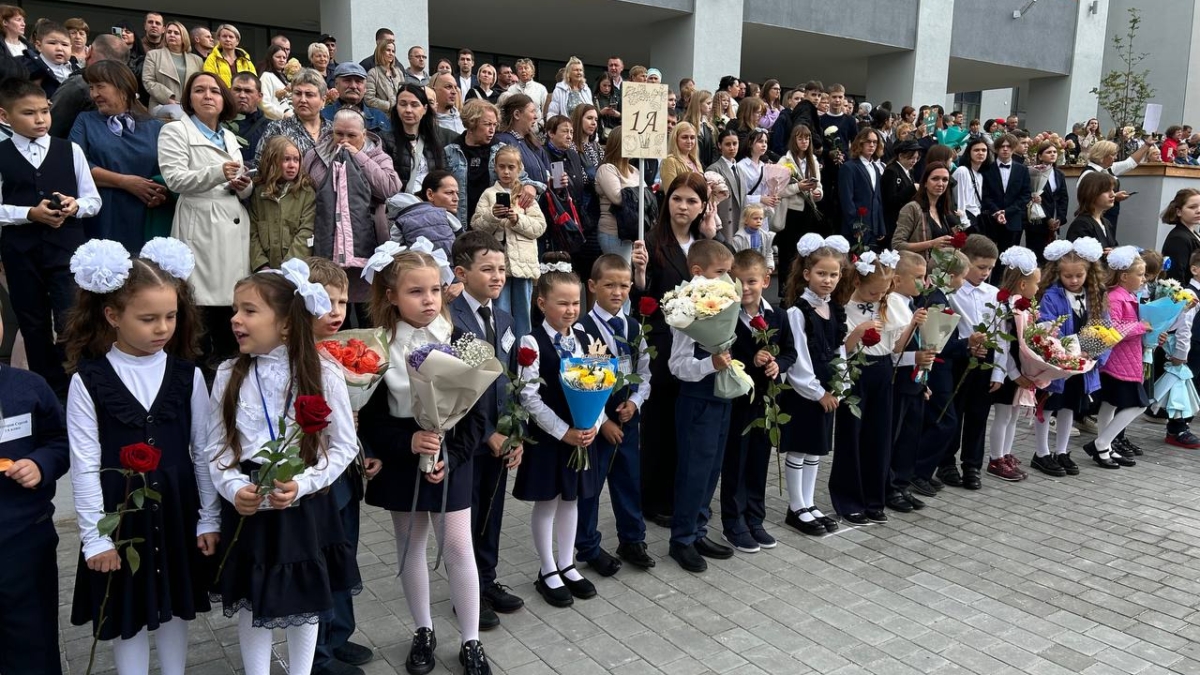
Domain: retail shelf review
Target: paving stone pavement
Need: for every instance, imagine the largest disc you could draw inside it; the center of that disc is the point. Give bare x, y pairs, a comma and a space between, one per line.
1095, 575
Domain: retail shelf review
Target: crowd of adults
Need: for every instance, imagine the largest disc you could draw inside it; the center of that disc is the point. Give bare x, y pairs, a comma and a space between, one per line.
174, 123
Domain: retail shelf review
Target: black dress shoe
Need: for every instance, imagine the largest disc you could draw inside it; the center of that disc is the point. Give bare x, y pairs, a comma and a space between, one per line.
950, 476
970, 479
917, 504
936, 483
1124, 461
1102, 462
856, 518
487, 616
580, 588
1048, 465
876, 516
353, 653
711, 549
1129, 445
688, 558
420, 655
636, 554
662, 520
555, 597
830, 524
473, 660
1119, 449
897, 502
809, 527
1068, 464
500, 599
923, 487
604, 564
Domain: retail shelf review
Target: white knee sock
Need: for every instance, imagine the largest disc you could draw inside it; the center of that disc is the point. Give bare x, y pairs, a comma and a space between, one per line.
255, 645
415, 577
812, 466
459, 554
302, 647
132, 655
171, 639
999, 431
542, 523
793, 474
1121, 419
1041, 437
1062, 436
566, 522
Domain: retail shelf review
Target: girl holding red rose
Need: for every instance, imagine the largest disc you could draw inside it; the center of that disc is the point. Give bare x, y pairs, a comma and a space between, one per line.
137, 402
290, 555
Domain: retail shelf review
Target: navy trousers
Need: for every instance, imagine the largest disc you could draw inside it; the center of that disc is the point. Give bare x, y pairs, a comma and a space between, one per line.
29, 601
337, 631
862, 448
702, 426
973, 405
486, 520
937, 432
624, 491
908, 422
744, 472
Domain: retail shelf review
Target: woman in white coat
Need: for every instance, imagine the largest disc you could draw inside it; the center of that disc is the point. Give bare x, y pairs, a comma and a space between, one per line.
202, 162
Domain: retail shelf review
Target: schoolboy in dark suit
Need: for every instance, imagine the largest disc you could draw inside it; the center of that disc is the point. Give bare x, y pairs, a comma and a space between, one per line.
1006, 194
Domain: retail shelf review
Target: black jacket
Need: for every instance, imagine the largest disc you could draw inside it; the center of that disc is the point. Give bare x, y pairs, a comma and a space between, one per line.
1054, 202
1012, 200
1085, 226
898, 189
1179, 246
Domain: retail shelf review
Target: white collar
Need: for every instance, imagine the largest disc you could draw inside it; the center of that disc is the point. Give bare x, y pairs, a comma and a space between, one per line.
603, 314
23, 142
117, 356
275, 355
763, 308
408, 336
551, 332
813, 299
475, 304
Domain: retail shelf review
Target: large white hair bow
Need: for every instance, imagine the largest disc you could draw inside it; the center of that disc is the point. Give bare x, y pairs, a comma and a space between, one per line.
101, 266
316, 298
1021, 258
1056, 249
425, 246
172, 255
889, 258
383, 256
866, 263
813, 241
1122, 257
1089, 248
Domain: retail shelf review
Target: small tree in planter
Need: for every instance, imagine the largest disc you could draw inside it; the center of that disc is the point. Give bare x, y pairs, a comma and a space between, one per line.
1123, 93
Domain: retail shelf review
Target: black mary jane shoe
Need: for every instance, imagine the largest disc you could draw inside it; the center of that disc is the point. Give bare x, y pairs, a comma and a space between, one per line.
582, 589
420, 656
1094, 453
555, 597
473, 660
813, 528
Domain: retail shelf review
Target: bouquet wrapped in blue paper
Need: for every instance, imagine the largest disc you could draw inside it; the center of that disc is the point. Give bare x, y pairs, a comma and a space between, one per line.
587, 382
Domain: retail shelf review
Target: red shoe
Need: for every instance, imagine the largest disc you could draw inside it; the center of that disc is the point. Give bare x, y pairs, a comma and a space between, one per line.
1015, 465
1002, 470
1184, 440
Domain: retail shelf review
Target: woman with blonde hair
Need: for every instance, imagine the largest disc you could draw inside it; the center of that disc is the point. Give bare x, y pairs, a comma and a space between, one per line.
682, 156
227, 59
318, 61
570, 92
384, 80
700, 116
486, 90
166, 69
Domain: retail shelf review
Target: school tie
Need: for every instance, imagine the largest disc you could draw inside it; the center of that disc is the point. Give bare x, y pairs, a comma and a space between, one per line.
485, 313
564, 347
618, 331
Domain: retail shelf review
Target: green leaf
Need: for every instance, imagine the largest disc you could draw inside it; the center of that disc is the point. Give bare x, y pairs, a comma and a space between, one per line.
773, 435
784, 418
138, 498
108, 524
134, 558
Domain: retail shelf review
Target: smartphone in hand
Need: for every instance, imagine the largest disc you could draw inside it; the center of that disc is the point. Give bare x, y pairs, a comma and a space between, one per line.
504, 199
55, 203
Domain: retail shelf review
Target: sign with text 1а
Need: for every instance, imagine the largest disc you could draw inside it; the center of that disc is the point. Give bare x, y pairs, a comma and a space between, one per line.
643, 120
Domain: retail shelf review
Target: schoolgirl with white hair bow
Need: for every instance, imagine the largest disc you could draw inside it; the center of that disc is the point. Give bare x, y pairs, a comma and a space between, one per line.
130, 341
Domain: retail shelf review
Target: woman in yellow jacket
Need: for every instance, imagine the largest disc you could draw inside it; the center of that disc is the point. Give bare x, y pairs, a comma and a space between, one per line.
227, 59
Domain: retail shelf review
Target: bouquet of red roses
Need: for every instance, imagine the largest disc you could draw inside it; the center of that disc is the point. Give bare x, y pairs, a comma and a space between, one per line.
363, 357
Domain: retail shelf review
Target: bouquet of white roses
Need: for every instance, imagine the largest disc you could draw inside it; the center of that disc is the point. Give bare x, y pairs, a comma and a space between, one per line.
706, 310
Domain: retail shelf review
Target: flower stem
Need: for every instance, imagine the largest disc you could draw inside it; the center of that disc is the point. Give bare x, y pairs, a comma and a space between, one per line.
225, 558
116, 536
955, 394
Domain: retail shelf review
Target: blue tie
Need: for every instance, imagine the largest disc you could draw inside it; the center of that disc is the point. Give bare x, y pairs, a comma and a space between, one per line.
619, 337
565, 348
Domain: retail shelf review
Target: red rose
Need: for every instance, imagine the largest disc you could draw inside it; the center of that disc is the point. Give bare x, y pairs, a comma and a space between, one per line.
312, 413
647, 306
526, 357
1021, 304
140, 457
758, 323
369, 363
948, 311
862, 212
959, 240
870, 337
1002, 295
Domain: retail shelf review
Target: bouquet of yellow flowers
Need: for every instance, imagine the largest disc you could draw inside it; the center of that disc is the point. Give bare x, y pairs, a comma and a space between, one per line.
1097, 338
587, 383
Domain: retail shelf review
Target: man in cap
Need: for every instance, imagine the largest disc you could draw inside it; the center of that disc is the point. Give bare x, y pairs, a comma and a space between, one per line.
350, 81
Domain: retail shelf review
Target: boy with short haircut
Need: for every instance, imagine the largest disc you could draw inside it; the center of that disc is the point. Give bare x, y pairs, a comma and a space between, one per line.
971, 403
909, 389
701, 424
937, 428
333, 637
46, 187
51, 66
479, 263
617, 447
33, 456
748, 456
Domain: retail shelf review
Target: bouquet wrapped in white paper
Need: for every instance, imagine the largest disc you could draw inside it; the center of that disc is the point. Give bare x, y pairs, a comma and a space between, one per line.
706, 310
362, 355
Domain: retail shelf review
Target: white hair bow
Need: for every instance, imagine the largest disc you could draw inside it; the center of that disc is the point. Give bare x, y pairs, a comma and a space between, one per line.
172, 255
1122, 257
425, 246
383, 256
1056, 249
316, 298
889, 258
813, 241
101, 266
866, 263
546, 268
1089, 248
1021, 258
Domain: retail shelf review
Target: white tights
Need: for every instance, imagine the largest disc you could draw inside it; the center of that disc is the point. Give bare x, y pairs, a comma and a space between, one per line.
459, 555
256, 646
1003, 431
1110, 422
133, 655
555, 520
1062, 438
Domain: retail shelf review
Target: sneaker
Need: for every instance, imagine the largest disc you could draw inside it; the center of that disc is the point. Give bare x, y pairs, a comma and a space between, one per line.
1086, 425
1054, 427
1184, 440
1048, 465
1152, 418
764, 538
1064, 460
1015, 463
743, 542
1003, 470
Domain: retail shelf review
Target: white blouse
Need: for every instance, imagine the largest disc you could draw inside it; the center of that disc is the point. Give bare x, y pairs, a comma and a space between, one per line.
254, 429
801, 376
898, 317
404, 340
142, 376
542, 415
966, 194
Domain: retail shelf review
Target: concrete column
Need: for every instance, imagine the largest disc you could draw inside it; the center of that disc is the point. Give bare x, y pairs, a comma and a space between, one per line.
918, 77
1055, 103
354, 22
706, 45
995, 103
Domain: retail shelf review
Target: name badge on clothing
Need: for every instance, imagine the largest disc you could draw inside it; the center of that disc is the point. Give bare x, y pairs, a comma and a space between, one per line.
16, 428
507, 341
625, 365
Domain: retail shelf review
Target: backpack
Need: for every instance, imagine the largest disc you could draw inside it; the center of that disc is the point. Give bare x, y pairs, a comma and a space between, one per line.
626, 213
563, 224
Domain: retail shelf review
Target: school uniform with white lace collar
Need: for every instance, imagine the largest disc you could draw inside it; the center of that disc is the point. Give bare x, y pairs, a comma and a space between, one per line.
286, 562
862, 448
